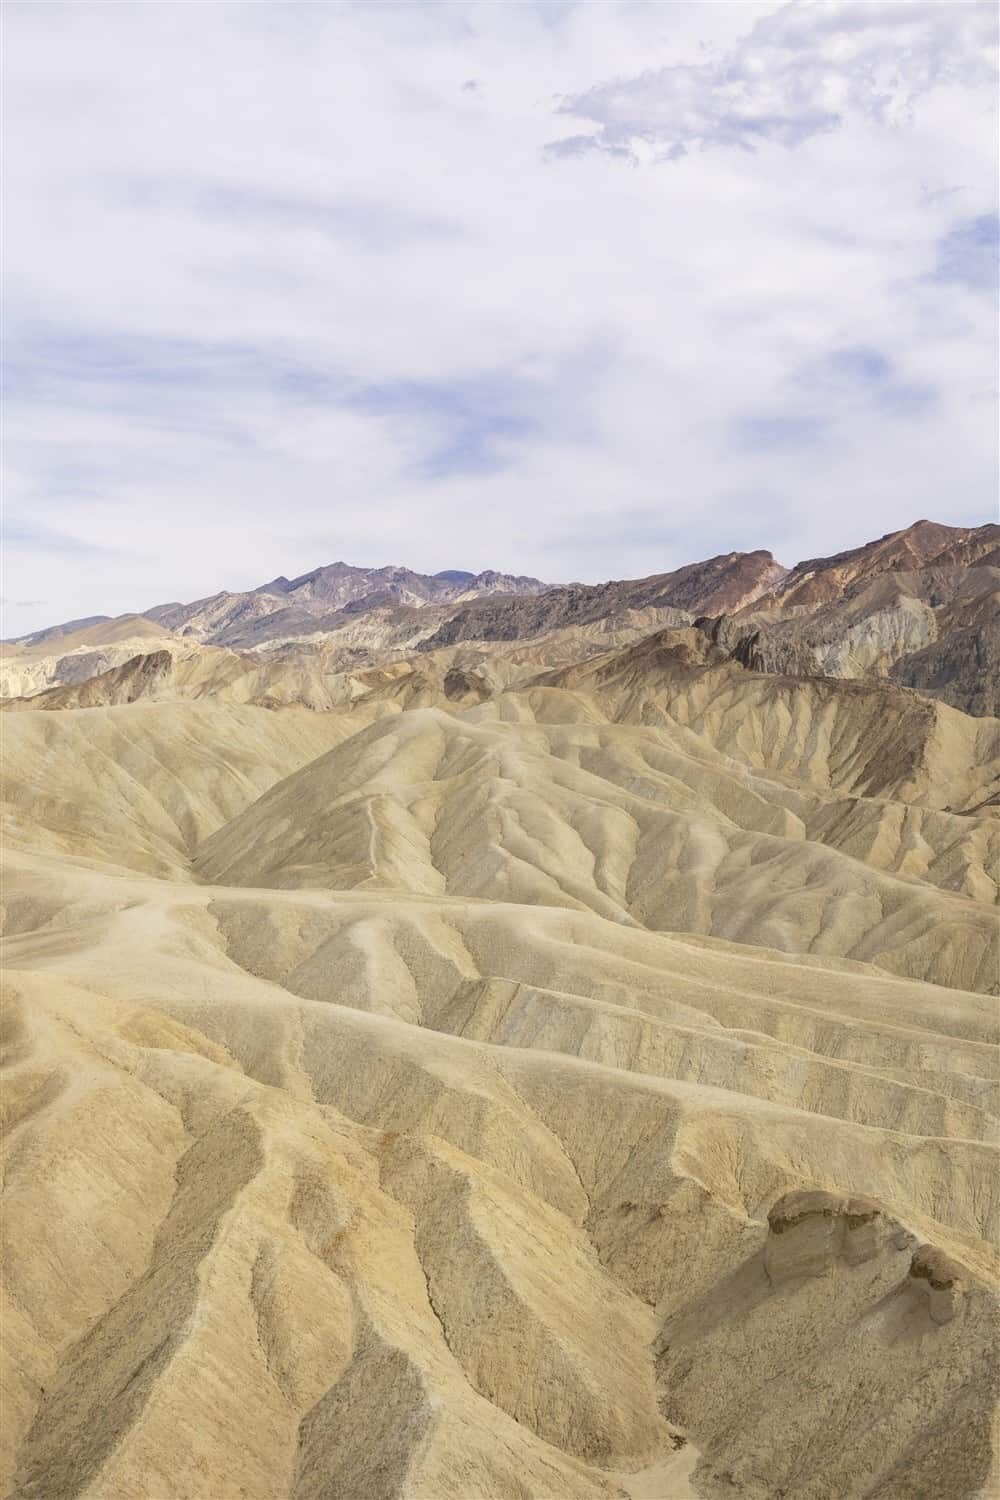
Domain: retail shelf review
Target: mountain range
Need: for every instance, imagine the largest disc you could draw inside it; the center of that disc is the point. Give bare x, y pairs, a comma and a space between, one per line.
918, 606
468, 1039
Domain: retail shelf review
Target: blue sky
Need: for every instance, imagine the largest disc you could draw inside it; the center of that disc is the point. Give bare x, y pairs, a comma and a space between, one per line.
580, 290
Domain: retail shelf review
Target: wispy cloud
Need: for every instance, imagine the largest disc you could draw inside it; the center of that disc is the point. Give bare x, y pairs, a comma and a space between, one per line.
797, 74
371, 223
29, 536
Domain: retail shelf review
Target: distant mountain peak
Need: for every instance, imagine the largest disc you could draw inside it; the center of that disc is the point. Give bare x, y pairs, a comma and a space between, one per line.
320, 600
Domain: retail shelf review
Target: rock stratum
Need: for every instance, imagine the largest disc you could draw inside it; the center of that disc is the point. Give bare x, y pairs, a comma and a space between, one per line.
559, 1064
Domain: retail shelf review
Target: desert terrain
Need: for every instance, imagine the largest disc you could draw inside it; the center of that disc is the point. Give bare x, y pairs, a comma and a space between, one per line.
467, 1039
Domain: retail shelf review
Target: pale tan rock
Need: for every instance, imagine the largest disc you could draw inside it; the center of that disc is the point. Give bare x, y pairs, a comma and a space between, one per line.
483, 1089
944, 1280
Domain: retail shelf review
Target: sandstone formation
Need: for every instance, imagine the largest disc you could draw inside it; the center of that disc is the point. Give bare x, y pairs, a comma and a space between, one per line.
554, 1066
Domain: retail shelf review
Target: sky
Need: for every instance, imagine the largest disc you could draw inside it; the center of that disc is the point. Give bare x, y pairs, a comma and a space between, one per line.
579, 290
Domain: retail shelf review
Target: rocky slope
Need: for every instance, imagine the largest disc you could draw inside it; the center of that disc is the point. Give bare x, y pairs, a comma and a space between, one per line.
920, 606
76, 652
872, 1297
371, 1188
925, 544
367, 1132
563, 808
551, 1068
962, 669
368, 610
722, 583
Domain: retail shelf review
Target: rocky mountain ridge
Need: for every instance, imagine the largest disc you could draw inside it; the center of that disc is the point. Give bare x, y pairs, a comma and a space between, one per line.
919, 606
316, 601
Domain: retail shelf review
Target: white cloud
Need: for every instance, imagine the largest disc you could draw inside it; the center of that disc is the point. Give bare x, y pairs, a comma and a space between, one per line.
281, 290
797, 73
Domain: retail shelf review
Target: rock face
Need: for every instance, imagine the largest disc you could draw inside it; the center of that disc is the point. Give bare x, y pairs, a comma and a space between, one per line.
727, 582
920, 606
963, 669
944, 1279
844, 1269
139, 677
811, 1230
75, 652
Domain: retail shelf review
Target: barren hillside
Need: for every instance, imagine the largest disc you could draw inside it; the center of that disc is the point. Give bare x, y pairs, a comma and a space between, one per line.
560, 1066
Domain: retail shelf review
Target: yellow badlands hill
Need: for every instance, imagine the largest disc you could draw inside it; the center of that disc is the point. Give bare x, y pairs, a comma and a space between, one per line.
505, 1078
